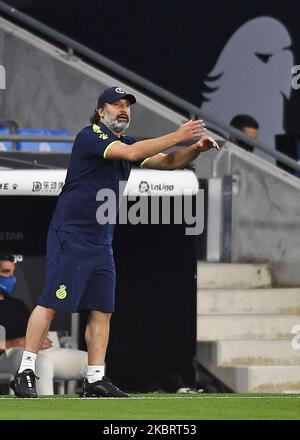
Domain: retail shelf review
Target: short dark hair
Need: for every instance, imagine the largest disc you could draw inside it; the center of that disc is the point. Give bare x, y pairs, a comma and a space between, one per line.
7, 256
241, 121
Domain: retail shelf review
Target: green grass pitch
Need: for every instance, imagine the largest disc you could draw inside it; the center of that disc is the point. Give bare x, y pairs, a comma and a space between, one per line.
155, 407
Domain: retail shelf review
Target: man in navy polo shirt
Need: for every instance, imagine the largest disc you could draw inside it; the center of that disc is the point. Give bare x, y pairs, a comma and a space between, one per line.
80, 266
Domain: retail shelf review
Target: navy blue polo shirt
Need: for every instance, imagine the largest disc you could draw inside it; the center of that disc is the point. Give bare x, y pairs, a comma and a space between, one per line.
89, 171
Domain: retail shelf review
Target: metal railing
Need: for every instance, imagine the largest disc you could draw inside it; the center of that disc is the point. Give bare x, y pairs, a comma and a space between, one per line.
35, 138
72, 45
57, 139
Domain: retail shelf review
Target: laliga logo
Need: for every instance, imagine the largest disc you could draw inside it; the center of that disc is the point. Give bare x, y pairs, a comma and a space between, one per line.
145, 187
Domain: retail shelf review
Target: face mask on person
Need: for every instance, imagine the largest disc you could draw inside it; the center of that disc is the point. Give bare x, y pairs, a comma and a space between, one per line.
7, 284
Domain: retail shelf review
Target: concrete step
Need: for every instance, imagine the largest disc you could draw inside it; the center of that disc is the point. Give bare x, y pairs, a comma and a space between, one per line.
218, 327
256, 379
248, 301
238, 353
231, 275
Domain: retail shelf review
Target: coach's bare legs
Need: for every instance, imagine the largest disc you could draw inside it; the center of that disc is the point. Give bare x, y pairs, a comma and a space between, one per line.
37, 328
96, 384
96, 336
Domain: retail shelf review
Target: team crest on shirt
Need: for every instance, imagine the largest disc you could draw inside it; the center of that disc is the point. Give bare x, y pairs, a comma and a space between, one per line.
99, 132
61, 293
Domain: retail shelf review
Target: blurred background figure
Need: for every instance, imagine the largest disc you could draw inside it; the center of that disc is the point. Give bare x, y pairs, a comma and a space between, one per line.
248, 126
53, 362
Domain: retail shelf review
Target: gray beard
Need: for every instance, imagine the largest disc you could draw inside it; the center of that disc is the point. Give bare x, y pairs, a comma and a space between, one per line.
114, 125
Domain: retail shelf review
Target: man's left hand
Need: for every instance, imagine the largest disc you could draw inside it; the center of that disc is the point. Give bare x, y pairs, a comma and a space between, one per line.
46, 344
206, 143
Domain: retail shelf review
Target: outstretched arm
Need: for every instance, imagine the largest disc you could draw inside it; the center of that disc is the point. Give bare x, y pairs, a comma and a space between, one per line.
150, 147
17, 342
20, 343
180, 158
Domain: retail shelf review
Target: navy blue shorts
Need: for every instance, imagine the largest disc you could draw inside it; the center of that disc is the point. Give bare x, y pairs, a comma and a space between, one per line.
80, 274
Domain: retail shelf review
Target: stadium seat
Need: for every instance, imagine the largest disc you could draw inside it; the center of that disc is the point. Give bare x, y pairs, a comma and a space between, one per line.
5, 146
43, 146
63, 386
5, 375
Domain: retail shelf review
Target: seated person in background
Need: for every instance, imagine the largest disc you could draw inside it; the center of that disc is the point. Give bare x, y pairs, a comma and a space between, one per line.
52, 362
246, 124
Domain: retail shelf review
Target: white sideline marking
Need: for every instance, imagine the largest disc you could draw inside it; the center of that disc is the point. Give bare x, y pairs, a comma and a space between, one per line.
284, 396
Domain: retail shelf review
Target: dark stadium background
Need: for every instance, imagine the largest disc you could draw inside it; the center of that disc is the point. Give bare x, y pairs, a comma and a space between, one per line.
172, 43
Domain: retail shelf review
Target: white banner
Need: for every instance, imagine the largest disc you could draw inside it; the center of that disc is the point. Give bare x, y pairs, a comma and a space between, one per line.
31, 182
141, 182
161, 183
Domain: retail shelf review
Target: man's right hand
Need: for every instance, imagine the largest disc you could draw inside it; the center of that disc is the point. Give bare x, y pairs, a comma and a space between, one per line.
190, 130
46, 344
